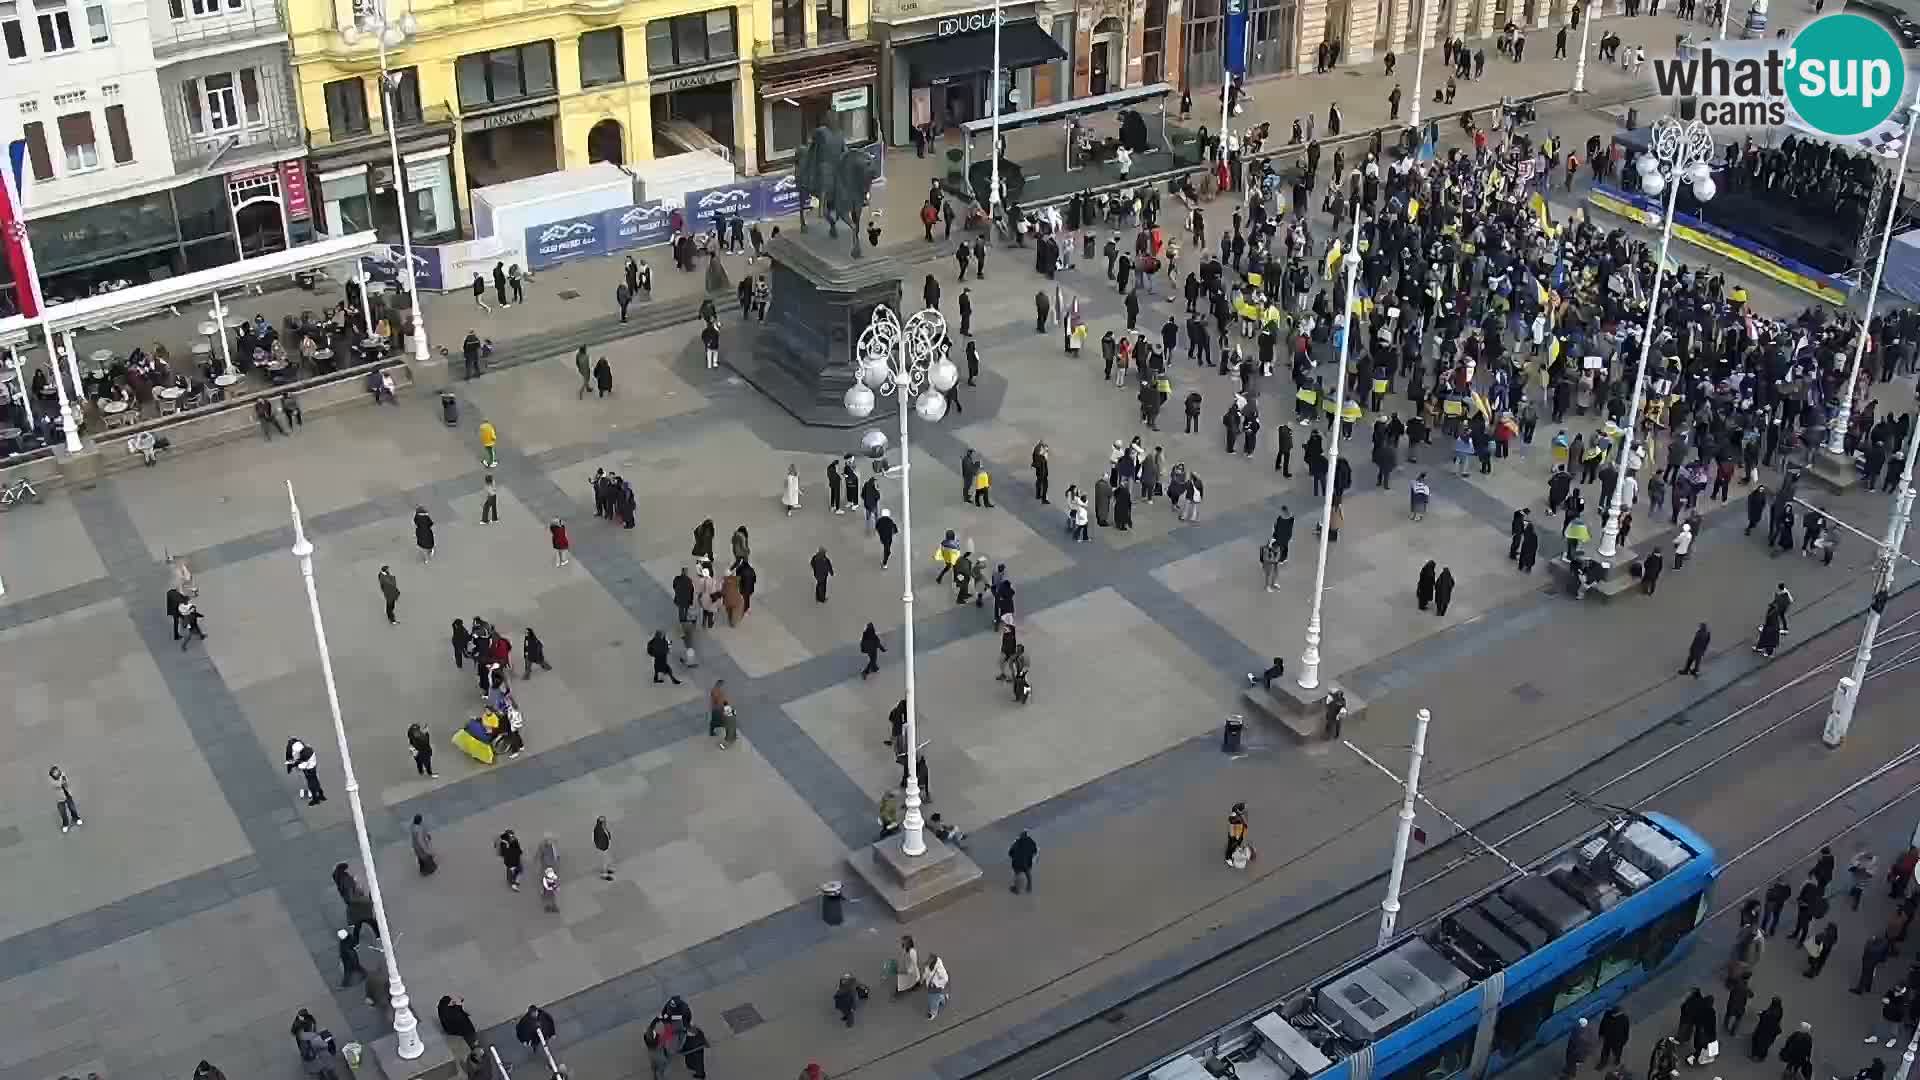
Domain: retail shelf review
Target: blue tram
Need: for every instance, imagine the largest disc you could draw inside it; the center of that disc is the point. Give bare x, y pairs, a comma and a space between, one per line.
1478, 987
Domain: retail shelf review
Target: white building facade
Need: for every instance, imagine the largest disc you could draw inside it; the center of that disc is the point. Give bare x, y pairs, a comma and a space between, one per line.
163, 136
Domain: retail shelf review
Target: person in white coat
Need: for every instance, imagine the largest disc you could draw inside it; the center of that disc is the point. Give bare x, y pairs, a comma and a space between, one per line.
790, 493
935, 980
1682, 545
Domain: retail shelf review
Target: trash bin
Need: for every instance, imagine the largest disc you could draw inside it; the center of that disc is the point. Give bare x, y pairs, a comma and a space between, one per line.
1230, 738
833, 903
450, 409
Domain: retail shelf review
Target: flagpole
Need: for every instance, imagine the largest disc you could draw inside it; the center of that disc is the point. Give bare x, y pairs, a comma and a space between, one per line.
13, 219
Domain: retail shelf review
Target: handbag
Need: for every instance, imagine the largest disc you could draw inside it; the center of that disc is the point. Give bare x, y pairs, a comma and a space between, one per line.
1812, 947
428, 865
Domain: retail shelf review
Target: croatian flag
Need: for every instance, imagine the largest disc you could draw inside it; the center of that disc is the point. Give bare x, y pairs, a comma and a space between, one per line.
13, 230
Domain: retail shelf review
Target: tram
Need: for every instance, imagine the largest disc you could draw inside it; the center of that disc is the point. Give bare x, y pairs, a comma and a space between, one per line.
1479, 986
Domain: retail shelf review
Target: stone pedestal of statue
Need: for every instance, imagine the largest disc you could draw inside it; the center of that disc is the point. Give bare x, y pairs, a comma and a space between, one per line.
821, 298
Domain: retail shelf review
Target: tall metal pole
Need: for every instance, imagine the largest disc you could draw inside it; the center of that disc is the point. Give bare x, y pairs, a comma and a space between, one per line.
1580, 62
913, 841
1390, 906
1847, 693
219, 314
420, 352
68, 422
993, 208
1684, 145
1310, 659
405, 1027
1843, 417
1419, 65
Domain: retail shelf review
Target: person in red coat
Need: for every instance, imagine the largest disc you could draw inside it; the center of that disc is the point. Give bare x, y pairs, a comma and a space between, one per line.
558, 530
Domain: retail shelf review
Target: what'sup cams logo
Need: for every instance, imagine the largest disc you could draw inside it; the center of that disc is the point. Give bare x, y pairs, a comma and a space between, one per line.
1842, 75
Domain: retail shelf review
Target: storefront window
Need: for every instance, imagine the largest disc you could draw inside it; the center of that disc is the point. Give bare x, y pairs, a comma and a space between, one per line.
347, 207
203, 209
430, 209
602, 57
790, 121
347, 108
505, 74
691, 39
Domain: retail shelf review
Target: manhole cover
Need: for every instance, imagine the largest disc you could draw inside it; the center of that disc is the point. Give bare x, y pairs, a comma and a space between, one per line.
1528, 693
567, 294
742, 1018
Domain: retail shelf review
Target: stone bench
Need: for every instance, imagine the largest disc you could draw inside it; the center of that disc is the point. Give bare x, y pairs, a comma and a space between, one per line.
1306, 723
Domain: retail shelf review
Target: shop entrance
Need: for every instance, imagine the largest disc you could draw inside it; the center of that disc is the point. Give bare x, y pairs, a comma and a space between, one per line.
261, 225
680, 117
606, 142
514, 152
1109, 55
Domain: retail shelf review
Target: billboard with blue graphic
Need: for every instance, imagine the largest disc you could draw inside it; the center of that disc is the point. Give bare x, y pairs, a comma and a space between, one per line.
747, 198
568, 238
637, 226
783, 196
386, 266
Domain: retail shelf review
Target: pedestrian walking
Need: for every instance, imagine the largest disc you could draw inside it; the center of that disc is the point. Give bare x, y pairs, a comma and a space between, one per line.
1443, 591
1697, 651
301, 756
790, 490
1773, 902
561, 542
349, 953
1021, 855
1739, 992
535, 653
1819, 948
421, 743
1682, 545
489, 440
660, 650
461, 642
1765, 1030
1614, 1031
318, 1053
603, 377
822, 568
1797, 1053
1423, 585
1579, 1048
507, 846
422, 840
1650, 571
871, 645
455, 1021
423, 533
721, 719
603, 843
937, 982
1872, 955
63, 799
389, 591
1270, 565
190, 615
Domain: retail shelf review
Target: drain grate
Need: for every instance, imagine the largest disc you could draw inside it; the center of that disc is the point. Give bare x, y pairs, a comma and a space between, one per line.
567, 294
742, 1018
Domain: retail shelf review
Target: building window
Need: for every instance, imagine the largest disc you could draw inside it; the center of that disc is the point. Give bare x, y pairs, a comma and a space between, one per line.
1153, 43
180, 9
11, 31
76, 137
403, 98
830, 20
35, 133
690, 39
789, 24
56, 26
117, 136
98, 32
506, 74
347, 108
602, 57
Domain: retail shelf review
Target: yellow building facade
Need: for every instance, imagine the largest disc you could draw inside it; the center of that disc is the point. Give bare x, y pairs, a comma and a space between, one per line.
487, 91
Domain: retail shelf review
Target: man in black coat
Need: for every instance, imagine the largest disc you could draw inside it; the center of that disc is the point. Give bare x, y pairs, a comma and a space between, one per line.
1650, 572
1697, 651
1021, 856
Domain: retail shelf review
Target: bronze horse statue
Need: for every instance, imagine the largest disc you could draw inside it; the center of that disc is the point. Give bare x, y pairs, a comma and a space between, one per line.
840, 178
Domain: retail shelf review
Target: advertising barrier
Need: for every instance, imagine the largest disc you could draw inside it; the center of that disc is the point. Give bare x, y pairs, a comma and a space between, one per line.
569, 238
637, 226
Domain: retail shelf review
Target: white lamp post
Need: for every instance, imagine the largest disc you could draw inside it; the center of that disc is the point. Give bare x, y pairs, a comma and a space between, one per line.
993, 172
911, 360
1390, 905
1310, 659
405, 1027
1843, 417
69, 405
393, 34
1580, 62
1419, 69
1680, 152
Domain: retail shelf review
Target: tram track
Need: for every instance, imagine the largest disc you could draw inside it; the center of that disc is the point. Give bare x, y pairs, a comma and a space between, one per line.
1672, 763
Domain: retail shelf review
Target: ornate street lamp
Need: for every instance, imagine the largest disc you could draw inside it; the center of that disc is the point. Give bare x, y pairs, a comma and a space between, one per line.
392, 34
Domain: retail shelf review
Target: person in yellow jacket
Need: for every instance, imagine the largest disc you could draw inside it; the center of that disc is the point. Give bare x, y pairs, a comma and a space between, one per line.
488, 440
982, 489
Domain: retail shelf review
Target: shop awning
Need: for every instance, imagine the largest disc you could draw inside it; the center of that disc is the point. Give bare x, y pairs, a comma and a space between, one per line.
1022, 44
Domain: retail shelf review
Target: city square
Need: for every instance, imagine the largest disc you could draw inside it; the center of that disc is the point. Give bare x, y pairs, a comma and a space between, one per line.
192, 914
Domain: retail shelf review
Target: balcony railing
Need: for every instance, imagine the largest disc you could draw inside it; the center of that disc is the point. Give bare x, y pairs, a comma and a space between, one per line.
260, 20
198, 153
828, 39
376, 128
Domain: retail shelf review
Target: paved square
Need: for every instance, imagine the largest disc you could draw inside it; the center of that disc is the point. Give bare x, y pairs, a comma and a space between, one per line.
222, 984
44, 549
81, 692
535, 406
1111, 687
706, 840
